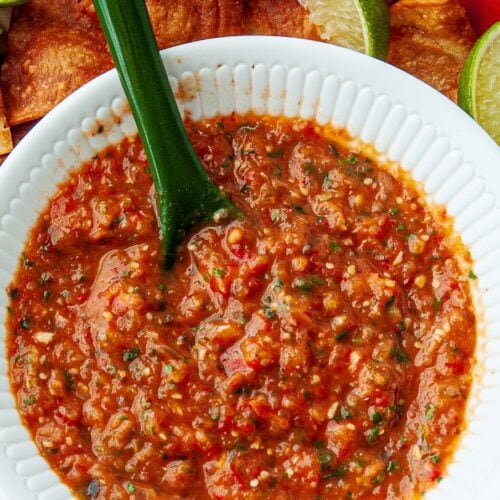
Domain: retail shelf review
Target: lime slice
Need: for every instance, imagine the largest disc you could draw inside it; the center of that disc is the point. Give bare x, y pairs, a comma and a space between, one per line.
362, 25
11, 3
479, 86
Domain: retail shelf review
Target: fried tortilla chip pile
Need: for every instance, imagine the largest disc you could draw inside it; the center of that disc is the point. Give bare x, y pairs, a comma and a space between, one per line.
55, 46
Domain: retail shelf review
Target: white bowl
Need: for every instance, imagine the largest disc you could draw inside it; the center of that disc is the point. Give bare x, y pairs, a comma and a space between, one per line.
406, 121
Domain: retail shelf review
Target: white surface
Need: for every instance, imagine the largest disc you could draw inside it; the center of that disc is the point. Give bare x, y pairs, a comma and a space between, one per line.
405, 119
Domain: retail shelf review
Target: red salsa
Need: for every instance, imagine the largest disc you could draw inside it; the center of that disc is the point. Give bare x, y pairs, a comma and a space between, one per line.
319, 347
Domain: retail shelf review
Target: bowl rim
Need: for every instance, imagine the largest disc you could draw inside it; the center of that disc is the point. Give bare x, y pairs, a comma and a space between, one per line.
449, 120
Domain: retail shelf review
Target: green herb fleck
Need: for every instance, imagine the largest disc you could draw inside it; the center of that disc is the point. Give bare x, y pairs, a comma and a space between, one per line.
392, 466
342, 335
435, 459
131, 354
130, 487
436, 304
390, 302
336, 473
14, 293
46, 294
219, 272
400, 355
168, 369
269, 313
472, 276
345, 413
429, 411
394, 211
27, 262
400, 227
25, 323
350, 160
378, 479
299, 209
309, 167
275, 215
376, 417
30, 400
68, 380
373, 434
334, 246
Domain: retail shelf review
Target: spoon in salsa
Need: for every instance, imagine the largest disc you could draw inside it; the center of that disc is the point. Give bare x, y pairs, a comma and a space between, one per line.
184, 193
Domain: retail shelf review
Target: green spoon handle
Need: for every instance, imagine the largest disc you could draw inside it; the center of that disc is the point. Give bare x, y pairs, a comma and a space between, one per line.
184, 192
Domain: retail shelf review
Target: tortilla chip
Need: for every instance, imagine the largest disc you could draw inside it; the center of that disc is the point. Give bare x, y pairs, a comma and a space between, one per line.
51, 51
278, 17
431, 39
182, 21
55, 46
6, 143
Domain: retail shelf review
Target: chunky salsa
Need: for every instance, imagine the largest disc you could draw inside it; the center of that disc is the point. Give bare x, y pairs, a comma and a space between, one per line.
319, 347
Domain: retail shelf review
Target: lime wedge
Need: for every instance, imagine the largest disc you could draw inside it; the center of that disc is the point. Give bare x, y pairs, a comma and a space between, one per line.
11, 3
479, 86
362, 25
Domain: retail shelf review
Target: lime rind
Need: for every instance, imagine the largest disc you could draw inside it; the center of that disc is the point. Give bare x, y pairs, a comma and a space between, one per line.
362, 25
11, 3
479, 84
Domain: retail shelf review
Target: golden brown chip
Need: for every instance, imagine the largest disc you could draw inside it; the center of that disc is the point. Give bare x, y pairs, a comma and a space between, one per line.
52, 49
55, 46
431, 39
6, 143
180, 21
277, 17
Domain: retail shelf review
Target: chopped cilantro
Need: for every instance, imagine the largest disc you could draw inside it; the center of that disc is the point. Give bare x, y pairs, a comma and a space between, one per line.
429, 411
219, 272
131, 354
168, 369
269, 313
334, 246
376, 417
309, 167
372, 434
30, 400
435, 459
350, 160
325, 456
392, 466
437, 304
378, 479
394, 211
306, 284
400, 355
472, 276
275, 215
27, 262
342, 335
25, 323
130, 487
68, 380
336, 473
400, 227
345, 413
